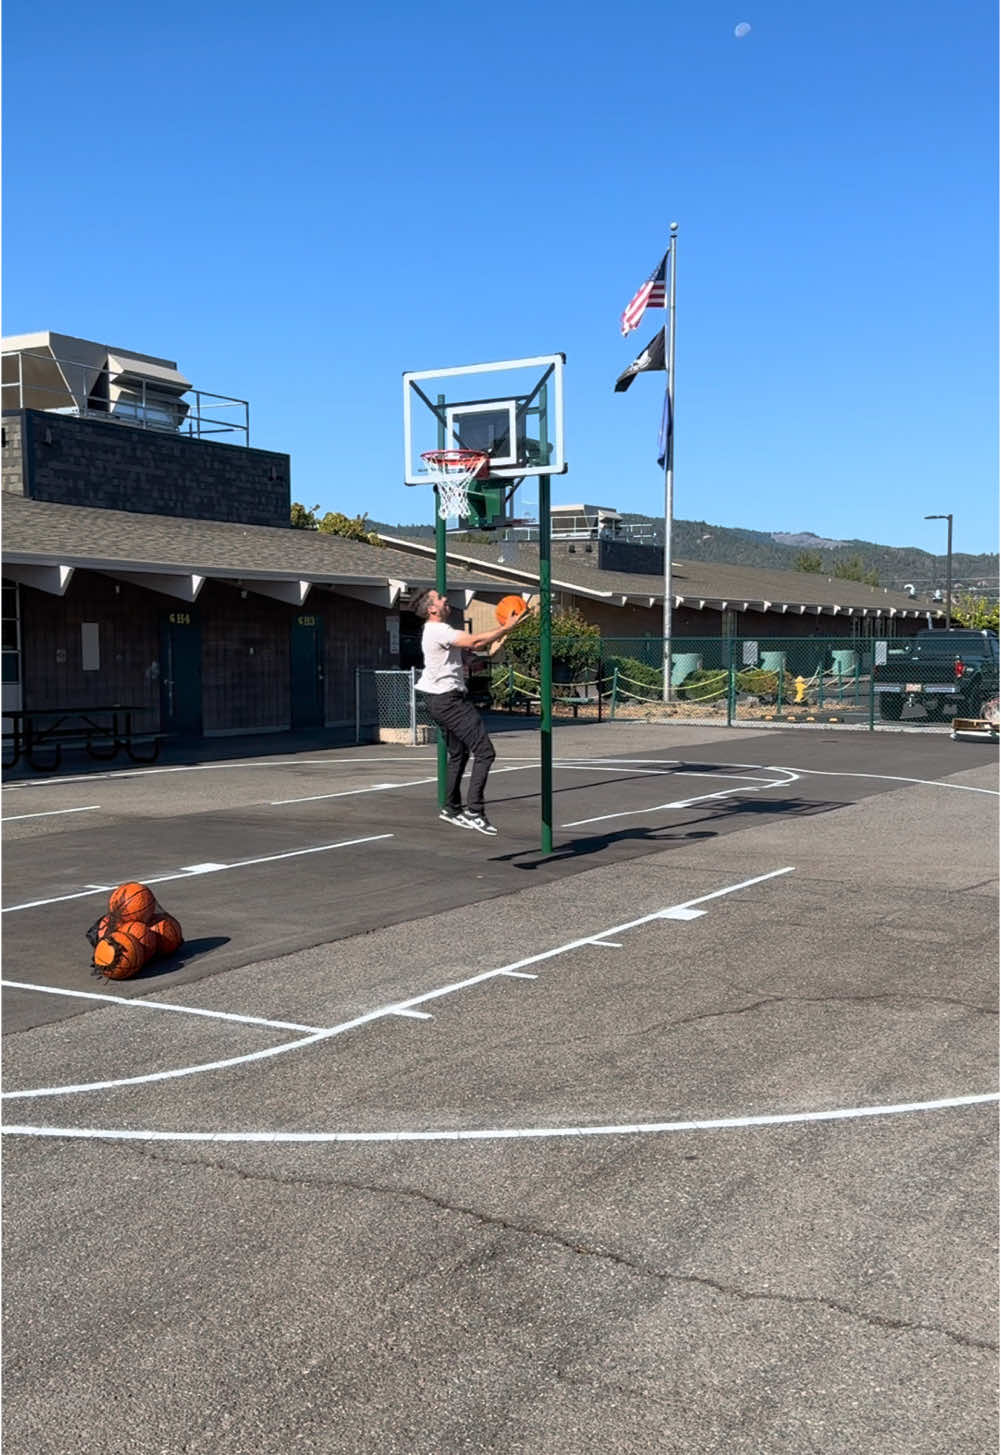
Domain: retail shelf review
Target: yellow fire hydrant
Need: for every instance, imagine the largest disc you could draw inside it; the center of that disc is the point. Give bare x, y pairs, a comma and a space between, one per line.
800, 689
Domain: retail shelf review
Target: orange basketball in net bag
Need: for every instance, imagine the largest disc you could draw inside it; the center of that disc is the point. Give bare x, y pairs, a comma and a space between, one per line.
168, 934
144, 935
118, 956
132, 902
508, 607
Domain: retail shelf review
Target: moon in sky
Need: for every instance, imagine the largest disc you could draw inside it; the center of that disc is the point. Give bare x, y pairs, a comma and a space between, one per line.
741, 30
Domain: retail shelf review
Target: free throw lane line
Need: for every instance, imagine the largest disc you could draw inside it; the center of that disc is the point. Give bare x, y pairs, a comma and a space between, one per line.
397, 1007
201, 869
144, 1004
49, 813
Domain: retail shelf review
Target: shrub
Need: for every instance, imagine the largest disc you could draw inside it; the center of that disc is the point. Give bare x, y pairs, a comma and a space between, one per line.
502, 692
758, 683
576, 646
705, 686
634, 676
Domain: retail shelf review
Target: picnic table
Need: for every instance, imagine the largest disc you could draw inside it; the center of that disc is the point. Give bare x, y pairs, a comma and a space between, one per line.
103, 731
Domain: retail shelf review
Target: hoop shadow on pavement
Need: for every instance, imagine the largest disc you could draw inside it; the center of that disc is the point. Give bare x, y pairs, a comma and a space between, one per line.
664, 838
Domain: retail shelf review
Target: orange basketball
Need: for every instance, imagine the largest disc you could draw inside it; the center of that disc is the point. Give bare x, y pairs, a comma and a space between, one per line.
103, 926
508, 607
168, 933
144, 935
132, 902
118, 956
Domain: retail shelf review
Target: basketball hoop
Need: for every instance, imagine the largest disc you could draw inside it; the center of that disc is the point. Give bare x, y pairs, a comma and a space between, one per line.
453, 471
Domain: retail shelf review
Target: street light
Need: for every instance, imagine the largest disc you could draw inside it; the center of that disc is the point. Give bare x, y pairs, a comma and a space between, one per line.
948, 567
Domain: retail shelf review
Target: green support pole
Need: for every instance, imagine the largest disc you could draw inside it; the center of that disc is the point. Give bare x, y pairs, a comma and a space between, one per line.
545, 665
615, 688
440, 584
731, 685
872, 686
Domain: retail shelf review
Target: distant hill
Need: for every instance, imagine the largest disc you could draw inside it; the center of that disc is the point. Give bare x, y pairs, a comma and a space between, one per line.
698, 540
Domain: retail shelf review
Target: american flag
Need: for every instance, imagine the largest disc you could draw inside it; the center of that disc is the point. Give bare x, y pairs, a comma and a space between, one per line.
653, 294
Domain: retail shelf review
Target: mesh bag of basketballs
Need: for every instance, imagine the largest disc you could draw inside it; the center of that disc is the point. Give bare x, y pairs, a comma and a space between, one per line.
134, 930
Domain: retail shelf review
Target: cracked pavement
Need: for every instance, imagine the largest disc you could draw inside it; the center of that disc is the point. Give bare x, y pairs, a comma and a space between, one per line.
797, 1287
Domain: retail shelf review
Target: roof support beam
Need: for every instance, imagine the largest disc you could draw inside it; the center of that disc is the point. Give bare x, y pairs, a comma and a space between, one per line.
184, 587
387, 595
293, 592
53, 579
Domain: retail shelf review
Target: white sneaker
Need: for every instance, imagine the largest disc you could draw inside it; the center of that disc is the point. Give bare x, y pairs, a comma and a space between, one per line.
479, 822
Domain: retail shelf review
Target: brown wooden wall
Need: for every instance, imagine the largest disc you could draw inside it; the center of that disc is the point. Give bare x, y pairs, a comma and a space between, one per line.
356, 635
245, 660
128, 630
246, 651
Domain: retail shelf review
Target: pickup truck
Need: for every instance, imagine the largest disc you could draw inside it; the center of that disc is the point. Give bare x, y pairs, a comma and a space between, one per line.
949, 672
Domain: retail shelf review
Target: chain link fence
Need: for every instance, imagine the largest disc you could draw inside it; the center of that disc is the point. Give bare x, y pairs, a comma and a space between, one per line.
920, 682
389, 709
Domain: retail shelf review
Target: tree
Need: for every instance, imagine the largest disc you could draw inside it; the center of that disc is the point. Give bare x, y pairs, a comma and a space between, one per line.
808, 561
852, 568
576, 646
354, 527
975, 612
301, 518
334, 523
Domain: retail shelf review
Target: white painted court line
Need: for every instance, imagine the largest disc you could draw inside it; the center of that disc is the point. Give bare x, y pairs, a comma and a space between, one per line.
398, 1007
110, 777
379, 788
498, 1134
202, 869
888, 778
605, 768
172, 1075
144, 1004
49, 813
686, 802
351, 792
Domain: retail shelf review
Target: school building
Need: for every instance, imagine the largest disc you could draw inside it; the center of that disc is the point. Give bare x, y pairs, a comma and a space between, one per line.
148, 558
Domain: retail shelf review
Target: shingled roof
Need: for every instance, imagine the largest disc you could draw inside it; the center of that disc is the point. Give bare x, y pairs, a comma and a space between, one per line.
43, 543
697, 584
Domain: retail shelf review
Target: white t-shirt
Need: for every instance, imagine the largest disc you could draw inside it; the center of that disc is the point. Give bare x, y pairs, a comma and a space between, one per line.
443, 669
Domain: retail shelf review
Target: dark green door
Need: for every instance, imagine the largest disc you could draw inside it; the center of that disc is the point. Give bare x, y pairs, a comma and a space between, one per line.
181, 672
307, 672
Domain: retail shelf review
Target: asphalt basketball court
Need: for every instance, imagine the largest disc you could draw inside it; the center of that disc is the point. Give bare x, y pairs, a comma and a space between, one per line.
680, 1138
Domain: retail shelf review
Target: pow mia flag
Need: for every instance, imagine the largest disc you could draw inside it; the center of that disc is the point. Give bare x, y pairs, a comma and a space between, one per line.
651, 358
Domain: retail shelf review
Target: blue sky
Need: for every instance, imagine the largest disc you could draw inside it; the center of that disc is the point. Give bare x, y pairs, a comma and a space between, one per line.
248, 189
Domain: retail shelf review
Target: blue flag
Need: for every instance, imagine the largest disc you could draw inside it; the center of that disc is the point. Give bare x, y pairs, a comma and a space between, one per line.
666, 430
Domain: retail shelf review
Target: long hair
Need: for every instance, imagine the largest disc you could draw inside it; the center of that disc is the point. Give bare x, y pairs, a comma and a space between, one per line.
421, 604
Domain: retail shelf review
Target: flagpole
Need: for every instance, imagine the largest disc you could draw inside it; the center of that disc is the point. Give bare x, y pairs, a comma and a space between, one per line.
669, 477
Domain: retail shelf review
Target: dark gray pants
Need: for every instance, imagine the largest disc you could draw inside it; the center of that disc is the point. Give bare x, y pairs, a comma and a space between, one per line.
464, 735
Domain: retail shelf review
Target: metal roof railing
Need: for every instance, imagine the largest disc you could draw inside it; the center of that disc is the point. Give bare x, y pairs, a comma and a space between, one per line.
38, 380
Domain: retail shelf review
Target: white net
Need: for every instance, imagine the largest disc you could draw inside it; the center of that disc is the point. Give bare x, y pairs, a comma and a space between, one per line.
453, 471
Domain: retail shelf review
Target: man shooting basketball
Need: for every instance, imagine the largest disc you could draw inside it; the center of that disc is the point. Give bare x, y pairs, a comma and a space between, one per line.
443, 682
